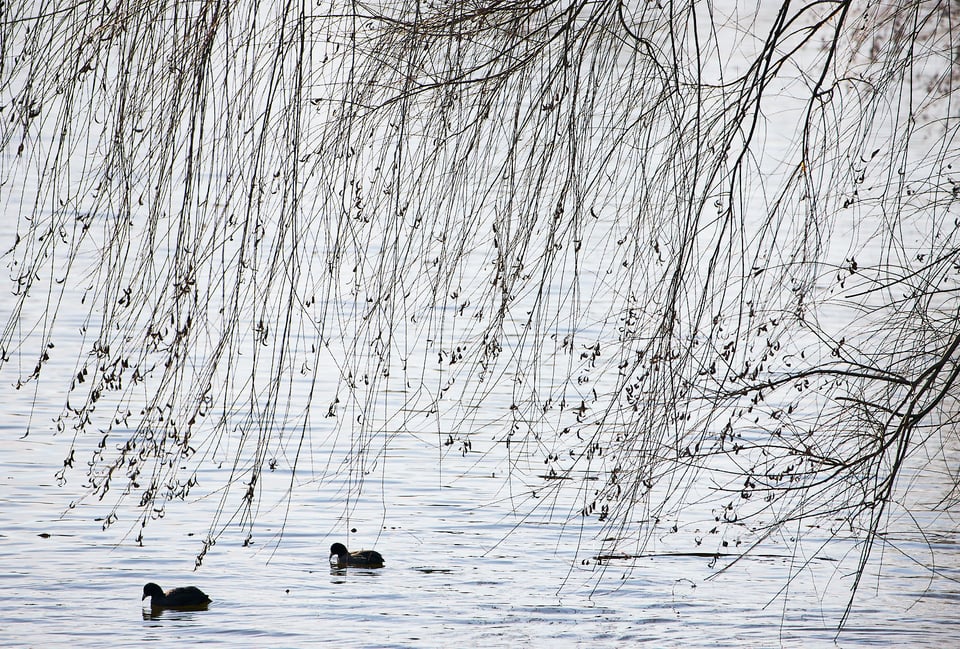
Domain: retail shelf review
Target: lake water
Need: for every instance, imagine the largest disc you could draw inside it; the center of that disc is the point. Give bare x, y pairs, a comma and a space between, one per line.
483, 546
462, 569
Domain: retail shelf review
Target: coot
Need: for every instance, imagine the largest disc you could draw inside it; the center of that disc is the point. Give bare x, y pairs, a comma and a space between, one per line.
358, 559
186, 597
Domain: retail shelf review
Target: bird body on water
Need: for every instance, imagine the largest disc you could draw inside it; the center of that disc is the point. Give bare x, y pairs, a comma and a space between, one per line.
185, 597
357, 559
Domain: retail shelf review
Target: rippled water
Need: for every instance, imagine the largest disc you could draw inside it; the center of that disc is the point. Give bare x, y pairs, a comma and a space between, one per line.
468, 562
463, 566
461, 571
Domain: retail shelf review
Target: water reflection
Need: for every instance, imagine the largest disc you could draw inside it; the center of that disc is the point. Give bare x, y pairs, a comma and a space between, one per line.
172, 612
341, 573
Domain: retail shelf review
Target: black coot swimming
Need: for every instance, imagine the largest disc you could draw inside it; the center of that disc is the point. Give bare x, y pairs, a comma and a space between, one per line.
186, 597
358, 559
